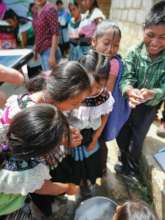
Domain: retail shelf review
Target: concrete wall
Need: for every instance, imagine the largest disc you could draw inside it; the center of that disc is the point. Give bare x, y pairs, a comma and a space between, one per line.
130, 15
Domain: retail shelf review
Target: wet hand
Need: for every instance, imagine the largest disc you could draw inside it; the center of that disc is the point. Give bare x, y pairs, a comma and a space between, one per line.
134, 97
147, 94
76, 137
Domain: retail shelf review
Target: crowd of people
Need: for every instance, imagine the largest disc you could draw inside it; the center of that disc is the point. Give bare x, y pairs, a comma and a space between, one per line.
53, 137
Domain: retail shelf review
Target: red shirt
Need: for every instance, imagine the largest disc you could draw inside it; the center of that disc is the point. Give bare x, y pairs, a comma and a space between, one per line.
45, 25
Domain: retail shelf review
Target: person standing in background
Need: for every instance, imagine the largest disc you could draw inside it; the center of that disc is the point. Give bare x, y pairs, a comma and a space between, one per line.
88, 24
46, 30
63, 19
73, 30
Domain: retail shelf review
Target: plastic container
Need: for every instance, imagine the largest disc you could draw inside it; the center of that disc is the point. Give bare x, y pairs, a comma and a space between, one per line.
96, 208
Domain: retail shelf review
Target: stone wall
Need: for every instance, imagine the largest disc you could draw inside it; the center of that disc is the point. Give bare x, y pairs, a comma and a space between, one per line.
130, 15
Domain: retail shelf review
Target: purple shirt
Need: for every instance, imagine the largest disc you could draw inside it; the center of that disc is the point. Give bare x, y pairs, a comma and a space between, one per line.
45, 25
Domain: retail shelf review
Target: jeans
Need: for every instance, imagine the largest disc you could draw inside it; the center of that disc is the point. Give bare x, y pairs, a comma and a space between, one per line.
44, 56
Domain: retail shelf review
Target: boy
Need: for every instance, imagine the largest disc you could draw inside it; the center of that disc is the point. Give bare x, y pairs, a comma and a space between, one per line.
143, 82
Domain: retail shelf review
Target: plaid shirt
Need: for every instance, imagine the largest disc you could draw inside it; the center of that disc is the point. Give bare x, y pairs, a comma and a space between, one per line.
45, 25
142, 72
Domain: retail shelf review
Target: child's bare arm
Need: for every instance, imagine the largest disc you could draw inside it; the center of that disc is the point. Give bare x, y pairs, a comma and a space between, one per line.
98, 132
56, 188
10, 75
114, 70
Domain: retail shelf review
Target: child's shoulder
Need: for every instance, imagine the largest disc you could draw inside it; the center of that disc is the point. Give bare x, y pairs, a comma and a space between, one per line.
22, 181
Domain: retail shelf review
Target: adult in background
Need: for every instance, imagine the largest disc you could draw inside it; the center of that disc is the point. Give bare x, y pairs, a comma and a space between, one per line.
46, 30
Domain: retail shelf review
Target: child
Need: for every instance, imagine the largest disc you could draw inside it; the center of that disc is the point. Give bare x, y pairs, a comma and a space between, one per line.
32, 133
73, 31
22, 28
143, 83
46, 30
133, 210
106, 40
88, 24
66, 88
90, 118
63, 19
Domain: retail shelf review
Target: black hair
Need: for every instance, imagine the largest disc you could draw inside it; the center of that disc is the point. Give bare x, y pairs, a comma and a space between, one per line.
133, 210
156, 15
10, 14
95, 4
59, 2
105, 25
73, 2
37, 130
66, 81
96, 64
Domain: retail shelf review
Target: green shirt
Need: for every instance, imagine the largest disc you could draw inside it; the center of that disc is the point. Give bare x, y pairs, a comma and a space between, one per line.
142, 72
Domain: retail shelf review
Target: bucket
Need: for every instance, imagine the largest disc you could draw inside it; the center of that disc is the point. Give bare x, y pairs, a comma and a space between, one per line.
96, 208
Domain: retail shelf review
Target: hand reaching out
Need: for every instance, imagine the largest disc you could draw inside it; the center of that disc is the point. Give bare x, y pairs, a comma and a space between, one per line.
138, 96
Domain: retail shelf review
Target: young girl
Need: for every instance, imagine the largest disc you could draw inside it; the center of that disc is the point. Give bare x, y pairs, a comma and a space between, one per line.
22, 28
66, 87
63, 19
32, 133
88, 24
90, 118
73, 31
132, 210
106, 41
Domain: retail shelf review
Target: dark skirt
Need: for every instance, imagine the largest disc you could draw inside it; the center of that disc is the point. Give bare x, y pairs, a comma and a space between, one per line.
87, 169
22, 214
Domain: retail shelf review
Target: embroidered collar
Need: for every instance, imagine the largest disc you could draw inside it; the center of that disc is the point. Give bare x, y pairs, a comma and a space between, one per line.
97, 100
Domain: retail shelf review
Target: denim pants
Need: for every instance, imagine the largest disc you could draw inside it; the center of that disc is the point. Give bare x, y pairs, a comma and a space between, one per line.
44, 56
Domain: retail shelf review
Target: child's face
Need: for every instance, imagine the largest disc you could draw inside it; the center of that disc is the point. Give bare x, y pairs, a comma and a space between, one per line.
13, 22
74, 10
87, 4
73, 102
154, 39
108, 44
40, 3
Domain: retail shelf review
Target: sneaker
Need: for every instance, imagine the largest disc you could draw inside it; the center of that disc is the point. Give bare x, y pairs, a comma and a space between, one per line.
161, 130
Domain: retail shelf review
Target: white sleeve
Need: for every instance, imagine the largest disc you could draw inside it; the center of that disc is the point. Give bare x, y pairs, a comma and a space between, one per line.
97, 13
23, 182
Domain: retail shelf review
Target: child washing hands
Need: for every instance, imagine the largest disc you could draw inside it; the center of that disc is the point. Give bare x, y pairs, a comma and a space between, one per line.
32, 133
90, 118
